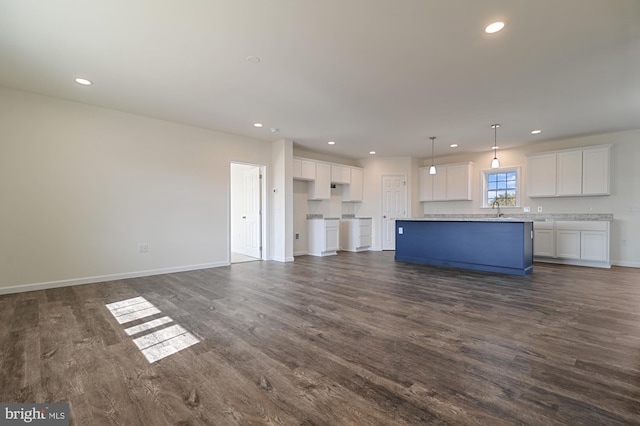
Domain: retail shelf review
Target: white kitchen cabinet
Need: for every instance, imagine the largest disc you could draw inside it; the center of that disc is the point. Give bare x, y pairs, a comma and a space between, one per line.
440, 184
569, 172
576, 242
594, 245
355, 234
459, 181
354, 191
340, 174
595, 171
452, 182
544, 242
324, 236
320, 188
542, 175
568, 244
304, 169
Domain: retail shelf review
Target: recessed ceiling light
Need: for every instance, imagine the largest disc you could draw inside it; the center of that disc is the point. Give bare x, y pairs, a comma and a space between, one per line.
83, 81
331, 143
536, 132
372, 152
274, 130
257, 124
494, 147
494, 28
253, 59
454, 145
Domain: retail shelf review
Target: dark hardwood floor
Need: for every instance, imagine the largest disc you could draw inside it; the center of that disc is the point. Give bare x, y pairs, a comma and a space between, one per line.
350, 339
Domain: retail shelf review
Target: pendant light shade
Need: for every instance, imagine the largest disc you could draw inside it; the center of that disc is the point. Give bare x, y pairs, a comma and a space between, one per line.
495, 163
432, 169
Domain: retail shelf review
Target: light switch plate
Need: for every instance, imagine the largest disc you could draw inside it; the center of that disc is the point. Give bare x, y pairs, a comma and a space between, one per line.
527, 209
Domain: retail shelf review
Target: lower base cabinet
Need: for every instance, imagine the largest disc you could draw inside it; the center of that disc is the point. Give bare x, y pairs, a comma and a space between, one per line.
583, 243
355, 234
324, 236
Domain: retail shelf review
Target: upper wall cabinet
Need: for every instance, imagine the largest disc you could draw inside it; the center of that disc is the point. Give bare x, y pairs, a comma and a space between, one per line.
452, 182
340, 174
321, 175
353, 191
320, 189
571, 172
304, 169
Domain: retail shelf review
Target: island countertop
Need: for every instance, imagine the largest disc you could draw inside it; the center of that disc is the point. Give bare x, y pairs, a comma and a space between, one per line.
469, 219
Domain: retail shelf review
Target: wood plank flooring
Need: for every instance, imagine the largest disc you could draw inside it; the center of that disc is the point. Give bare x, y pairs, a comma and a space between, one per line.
354, 339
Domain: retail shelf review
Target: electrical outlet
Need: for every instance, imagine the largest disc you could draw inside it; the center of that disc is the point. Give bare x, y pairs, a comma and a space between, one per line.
143, 248
539, 209
400, 230
527, 209
297, 235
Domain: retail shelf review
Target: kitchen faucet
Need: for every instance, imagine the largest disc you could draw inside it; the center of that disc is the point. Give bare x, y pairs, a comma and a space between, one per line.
496, 203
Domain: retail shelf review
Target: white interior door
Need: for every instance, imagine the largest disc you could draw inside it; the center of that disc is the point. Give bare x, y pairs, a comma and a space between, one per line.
394, 206
252, 232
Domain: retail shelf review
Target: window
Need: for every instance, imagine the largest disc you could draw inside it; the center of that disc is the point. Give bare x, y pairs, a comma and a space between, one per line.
501, 185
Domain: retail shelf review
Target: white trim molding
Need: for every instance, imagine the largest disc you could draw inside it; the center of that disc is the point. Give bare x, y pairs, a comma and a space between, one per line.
103, 278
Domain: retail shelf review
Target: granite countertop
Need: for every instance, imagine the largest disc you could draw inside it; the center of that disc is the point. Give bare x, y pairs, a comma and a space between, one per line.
444, 218
530, 217
320, 217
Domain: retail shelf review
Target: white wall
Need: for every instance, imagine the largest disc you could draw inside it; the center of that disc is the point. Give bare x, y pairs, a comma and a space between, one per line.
625, 188
83, 186
282, 201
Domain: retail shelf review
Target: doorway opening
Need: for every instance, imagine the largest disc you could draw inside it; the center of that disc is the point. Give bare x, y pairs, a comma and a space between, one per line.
247, 204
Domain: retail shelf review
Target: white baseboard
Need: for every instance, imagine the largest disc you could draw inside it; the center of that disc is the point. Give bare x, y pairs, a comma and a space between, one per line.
300, 253
627, 264
103, 278
573, 262
282, 259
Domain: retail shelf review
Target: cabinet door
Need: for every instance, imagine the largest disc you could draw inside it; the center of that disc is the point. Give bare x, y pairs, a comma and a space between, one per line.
594, 245
320, 189
340, 174
543, 242
297, 168
568, 244
353, 191
569, 173
595, 171
308, 169
426, 184
458, 182
542, 175
332, 238
440, 184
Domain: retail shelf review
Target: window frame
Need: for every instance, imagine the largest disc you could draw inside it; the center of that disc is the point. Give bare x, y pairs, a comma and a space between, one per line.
485, 185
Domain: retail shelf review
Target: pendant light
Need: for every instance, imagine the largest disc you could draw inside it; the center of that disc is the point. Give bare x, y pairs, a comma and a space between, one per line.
495, 163
432, 169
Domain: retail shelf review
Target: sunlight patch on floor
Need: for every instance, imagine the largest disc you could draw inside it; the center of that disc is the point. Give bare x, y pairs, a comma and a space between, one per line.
154, 345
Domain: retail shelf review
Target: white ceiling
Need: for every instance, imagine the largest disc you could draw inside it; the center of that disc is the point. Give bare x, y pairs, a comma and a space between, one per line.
379, 75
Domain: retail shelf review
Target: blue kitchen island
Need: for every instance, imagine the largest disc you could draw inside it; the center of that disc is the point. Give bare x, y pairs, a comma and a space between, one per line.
486, 244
